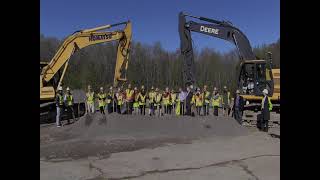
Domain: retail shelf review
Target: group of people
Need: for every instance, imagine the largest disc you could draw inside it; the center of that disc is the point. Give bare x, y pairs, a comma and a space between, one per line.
64, 102
191, 102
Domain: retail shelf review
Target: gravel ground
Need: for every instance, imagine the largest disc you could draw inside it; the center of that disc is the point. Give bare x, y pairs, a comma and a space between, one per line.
99, 136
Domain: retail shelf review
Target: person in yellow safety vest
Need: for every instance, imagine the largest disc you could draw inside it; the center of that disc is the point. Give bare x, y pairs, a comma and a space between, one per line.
166, 100
119, 100
193, 100
206, 100
59, 105
129, 94
266, 107
157, 104
178, 104
193, 104
198, 101
173, 97
136, 102
216, 100
90, 100
226, 99
68, 99
151, 97
110, 97
142, 97
102, 96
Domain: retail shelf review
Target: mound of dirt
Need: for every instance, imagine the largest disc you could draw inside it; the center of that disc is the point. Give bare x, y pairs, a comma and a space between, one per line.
99, 135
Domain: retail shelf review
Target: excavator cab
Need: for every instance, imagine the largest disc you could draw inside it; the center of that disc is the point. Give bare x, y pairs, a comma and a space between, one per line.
255, 75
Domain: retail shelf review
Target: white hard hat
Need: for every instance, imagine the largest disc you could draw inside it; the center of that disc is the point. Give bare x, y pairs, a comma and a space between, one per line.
60, 88
265, 91
215, 88
68, 89
101, 88
237, 91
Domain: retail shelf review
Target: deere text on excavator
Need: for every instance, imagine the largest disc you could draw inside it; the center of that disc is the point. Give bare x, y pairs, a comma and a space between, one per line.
52, 73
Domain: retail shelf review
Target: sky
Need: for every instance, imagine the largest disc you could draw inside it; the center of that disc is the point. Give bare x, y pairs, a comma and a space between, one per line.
157, 20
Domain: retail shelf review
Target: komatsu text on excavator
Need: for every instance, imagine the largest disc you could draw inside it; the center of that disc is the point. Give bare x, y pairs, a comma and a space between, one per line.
51, 74
253, 75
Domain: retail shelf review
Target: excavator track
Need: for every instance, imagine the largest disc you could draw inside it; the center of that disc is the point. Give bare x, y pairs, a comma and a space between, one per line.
250, 119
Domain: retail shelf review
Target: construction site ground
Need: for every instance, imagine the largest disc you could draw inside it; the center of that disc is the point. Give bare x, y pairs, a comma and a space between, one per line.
114, 146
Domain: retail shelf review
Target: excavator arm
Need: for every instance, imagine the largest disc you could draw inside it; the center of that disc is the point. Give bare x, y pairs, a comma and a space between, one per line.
81, 39
219, 29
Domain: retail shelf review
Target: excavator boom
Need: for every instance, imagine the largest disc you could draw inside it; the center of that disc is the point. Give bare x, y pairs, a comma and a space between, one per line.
219, 29
81, 39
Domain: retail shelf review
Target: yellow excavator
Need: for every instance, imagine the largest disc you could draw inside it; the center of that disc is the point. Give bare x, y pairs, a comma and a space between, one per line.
52, 73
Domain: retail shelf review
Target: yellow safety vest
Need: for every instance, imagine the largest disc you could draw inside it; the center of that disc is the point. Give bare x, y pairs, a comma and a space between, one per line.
109, 100
228, 96
102, 97
90, 98
136, 103
60, 99
129, 94
206, 97
198, 100
142, 99
166, 99
269, 102
216, 102
158, 99
69, 99
152, 96
173, 98
178, 107
120, 99
193, 100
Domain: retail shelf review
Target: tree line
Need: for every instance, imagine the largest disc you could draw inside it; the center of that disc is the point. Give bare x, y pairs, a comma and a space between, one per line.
150, 65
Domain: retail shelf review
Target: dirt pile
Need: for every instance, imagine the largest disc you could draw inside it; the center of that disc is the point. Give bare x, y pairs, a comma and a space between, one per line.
98, 135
